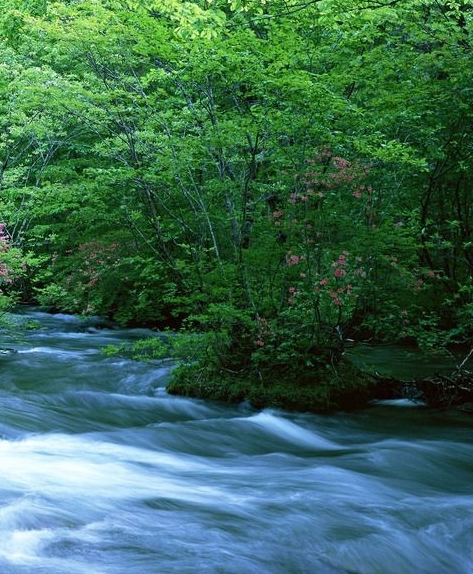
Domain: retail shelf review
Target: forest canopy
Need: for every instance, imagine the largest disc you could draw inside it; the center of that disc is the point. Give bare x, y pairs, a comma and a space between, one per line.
280, 176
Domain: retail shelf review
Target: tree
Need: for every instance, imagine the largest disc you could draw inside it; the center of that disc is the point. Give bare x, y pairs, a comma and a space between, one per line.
281, 175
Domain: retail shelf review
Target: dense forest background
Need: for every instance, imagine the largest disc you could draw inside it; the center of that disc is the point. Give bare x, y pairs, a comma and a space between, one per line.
281, 175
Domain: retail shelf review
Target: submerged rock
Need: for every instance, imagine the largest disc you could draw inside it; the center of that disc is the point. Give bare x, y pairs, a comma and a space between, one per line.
440, 391
7, 351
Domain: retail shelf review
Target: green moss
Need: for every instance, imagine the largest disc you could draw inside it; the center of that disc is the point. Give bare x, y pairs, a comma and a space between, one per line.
326, 390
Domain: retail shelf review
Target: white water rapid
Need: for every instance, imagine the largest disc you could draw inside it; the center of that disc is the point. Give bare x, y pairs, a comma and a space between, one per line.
101, 472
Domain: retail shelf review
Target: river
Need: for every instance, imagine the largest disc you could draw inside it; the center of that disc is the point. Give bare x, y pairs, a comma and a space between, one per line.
101, 472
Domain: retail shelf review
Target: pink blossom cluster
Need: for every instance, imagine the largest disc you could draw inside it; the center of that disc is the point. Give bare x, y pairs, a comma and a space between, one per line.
335, 298
362, 188
339, 272
336, 294
340, 264
4, 273
4, 238
293, 292
332, 284
294, 259
263, 330
419, 282
96, 256
333, 172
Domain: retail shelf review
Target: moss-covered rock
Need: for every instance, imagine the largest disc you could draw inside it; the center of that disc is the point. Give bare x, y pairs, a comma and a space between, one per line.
327, 389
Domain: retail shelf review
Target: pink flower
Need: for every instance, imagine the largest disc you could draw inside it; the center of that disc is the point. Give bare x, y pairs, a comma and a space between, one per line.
293, 259
340, 162
339, 272
323, 281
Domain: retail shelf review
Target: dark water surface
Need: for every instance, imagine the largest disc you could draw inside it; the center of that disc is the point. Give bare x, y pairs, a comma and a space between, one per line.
101, 472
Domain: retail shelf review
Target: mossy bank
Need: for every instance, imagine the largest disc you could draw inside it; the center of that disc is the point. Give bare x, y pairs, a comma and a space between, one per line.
326, 390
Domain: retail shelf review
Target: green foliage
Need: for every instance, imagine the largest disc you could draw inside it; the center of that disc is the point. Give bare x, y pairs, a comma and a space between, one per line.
183, 348
346, 389
276, 176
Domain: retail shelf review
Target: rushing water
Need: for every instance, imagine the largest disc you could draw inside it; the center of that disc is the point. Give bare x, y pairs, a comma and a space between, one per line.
102, 472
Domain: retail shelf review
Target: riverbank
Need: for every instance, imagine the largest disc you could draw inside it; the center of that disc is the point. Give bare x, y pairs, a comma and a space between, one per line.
345, 388
342, 388
364, 374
